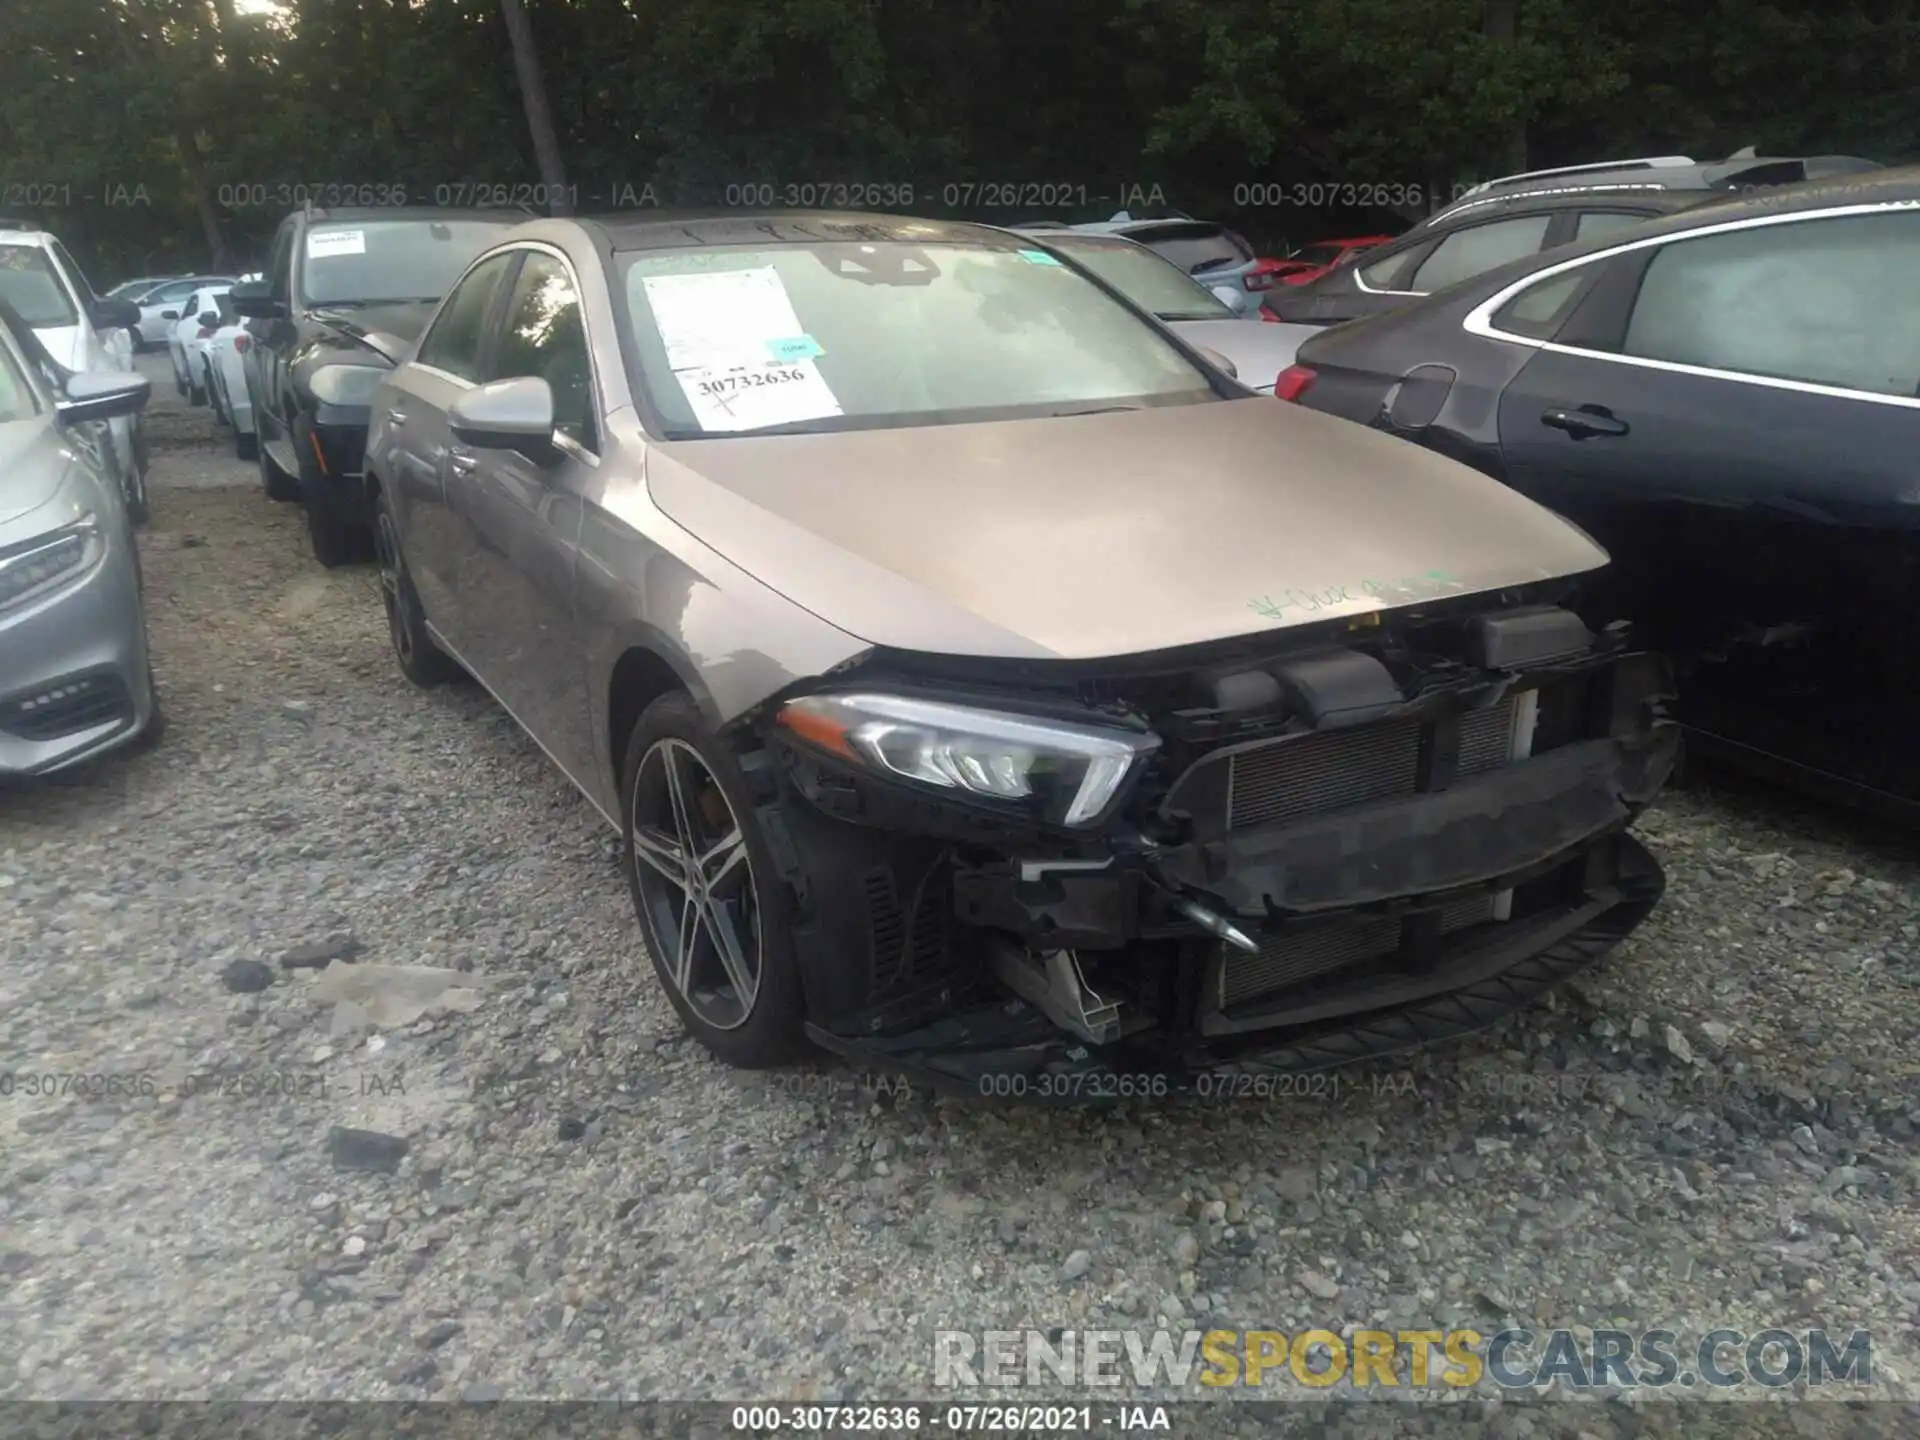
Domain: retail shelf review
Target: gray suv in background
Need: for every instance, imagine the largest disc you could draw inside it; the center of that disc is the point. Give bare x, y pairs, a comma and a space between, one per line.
1520, 215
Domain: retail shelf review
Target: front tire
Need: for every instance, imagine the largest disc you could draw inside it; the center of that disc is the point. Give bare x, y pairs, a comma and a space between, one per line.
420, 660
716, 915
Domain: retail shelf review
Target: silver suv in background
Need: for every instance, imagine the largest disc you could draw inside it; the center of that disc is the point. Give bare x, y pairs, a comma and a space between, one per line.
75, 676
82, 332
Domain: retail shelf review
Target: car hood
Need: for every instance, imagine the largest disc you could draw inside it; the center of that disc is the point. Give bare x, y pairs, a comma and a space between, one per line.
386, 330
34, 461
1259, 350
1105, 535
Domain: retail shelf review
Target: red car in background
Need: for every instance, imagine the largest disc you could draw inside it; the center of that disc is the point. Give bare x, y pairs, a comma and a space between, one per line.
1312, 261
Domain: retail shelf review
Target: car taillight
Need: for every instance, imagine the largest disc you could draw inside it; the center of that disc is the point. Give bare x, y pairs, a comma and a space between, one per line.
240, 344
1269, 316
1265, 274
1293, 382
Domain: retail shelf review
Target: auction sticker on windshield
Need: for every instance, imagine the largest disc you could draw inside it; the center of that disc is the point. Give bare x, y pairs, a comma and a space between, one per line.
730, 342
324, 243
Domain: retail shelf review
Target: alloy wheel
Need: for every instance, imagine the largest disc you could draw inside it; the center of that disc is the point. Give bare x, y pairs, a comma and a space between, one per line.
393, 587
696, 884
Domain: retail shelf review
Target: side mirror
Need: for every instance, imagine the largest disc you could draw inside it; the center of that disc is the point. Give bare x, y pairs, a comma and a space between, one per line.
1219, 362
113, 314
102, 395
210, 319
254, 299
514, 414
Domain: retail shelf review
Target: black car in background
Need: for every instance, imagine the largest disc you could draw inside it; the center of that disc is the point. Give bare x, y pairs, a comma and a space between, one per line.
345, 294
1520, 215
1729, 401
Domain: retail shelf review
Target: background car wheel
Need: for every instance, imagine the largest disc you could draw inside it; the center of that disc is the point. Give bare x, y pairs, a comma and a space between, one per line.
333, 542
135, 483
276, 482
336, 541
246, 445
714, 910
421, 661
196, 393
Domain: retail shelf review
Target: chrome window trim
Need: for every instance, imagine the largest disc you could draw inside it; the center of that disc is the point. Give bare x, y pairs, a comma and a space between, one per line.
1479, 321
566, 442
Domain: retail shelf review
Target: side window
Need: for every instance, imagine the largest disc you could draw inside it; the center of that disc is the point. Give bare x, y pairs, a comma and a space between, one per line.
1480, 248
454, 342
1597, 224
545, 336
1829, 301
1388, 273
1539, 311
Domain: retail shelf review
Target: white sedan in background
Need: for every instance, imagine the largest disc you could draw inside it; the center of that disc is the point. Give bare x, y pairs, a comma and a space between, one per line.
187, 341
161, 308
226, 375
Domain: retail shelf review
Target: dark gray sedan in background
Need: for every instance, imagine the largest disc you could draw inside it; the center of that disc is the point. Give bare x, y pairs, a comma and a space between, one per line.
1728, 399
984, 684
75, 679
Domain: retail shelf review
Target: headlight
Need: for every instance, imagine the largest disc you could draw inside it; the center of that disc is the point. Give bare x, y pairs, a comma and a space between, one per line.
41, 564
1070, 772
346, 384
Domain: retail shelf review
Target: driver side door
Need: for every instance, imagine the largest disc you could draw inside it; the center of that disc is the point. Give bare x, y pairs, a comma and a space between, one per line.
519, 516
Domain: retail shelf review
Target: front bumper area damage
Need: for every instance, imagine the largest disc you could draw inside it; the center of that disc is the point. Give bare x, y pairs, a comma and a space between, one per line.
1356, 848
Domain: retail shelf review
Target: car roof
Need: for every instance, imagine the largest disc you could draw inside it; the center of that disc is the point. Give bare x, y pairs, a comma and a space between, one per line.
11, 236
366, 214
1632, 196
1130, 228
1679, 175
1897, 186
691, 229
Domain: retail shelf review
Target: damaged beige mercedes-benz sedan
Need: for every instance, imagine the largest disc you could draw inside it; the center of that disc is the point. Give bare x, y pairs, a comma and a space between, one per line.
983, 684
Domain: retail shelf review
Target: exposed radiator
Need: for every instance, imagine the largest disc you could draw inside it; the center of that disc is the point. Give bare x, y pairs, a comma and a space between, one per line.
1312, 774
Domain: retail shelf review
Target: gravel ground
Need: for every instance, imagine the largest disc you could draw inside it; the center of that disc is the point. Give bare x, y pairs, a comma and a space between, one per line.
1716, 1128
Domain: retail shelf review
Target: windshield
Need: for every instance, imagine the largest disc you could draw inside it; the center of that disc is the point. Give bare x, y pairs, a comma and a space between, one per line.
850, 335
29, 284
376, 261
1155, 285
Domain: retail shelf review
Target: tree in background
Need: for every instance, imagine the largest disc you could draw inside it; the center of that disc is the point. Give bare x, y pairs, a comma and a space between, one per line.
173, 129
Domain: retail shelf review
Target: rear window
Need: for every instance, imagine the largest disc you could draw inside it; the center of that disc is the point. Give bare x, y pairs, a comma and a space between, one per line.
1196, 249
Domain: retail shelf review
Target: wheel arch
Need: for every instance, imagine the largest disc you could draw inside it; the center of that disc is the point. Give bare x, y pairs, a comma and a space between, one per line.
647, 667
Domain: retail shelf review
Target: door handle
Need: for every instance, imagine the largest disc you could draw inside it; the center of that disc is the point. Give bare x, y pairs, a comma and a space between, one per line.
1586, 422
396, 417
463, 463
